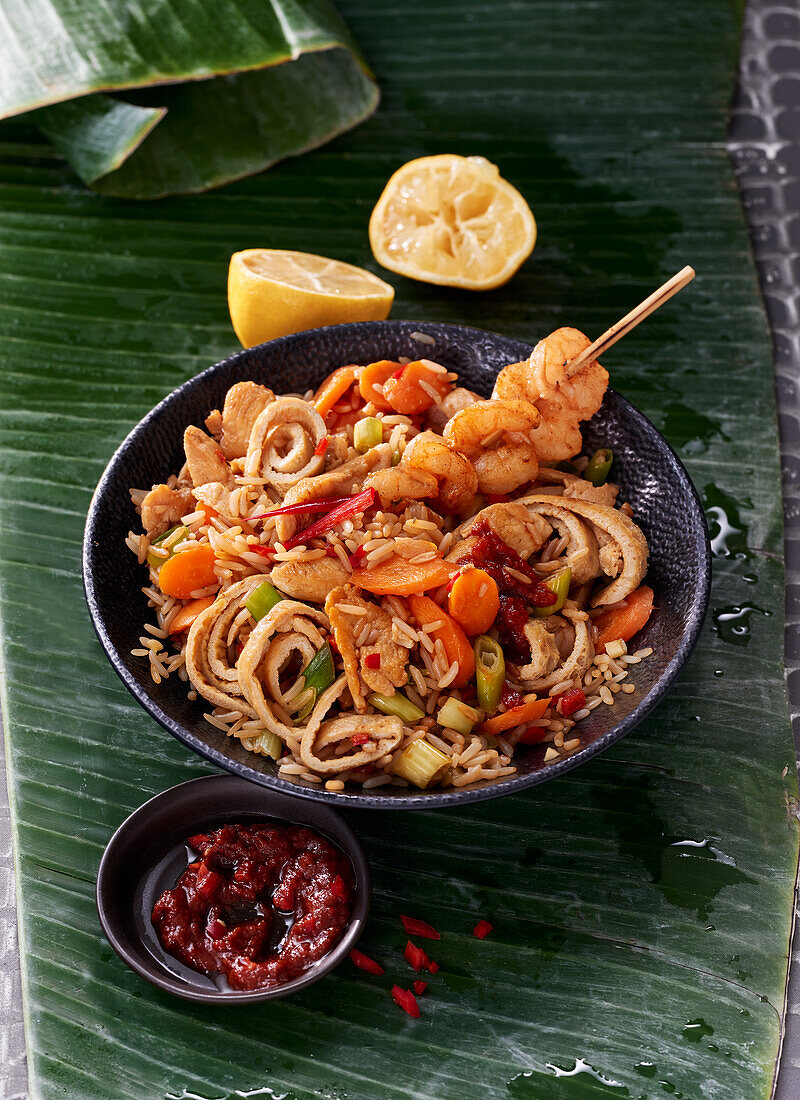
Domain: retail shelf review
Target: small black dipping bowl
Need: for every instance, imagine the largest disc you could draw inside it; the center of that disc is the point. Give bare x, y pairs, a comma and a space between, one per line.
147, 854
651, 476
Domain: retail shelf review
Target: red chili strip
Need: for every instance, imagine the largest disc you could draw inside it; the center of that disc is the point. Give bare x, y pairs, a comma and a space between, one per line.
302, 509
372, 660
433, 967
420, 987
406, 1000
570, 701
351, 506
481, 930
356, 559
415, 956
264, 551
359, 738
364, 962
322, 446
416, 927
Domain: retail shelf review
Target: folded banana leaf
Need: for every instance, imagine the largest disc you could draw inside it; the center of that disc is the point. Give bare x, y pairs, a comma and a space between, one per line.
200, 96
641, 905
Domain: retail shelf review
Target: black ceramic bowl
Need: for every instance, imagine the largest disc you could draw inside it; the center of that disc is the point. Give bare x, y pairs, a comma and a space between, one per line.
147, 854
650, 473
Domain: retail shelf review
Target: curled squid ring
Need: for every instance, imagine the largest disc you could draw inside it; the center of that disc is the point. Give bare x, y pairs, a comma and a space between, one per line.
290, 629
283, 443
212, 643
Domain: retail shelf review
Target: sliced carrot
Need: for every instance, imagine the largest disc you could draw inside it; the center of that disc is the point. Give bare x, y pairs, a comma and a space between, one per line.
207, 511
530, 710
624, 622
188, 613
404, 392
457, 645
335, 386
397, 577
376, 374
187, 571
474, 601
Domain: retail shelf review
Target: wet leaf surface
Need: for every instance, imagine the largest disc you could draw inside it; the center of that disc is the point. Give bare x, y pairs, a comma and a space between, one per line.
641, 906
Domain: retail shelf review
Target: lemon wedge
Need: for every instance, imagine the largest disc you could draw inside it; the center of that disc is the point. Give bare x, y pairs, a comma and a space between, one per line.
453, 221
273, 292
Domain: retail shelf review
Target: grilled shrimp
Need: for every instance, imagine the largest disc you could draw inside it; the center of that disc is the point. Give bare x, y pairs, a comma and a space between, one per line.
455, 474
562, 402
496, 437
402, 483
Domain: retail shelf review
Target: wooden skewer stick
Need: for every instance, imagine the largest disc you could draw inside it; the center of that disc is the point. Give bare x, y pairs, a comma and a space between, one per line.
632, 319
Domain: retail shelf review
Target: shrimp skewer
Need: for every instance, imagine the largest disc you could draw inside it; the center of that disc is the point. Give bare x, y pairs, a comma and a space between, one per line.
564, 380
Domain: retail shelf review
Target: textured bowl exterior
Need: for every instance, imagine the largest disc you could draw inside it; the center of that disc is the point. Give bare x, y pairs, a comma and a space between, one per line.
144, 857
651, 475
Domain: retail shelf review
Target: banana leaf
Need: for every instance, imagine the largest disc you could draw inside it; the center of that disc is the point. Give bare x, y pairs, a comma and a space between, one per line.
641, 905
208, 96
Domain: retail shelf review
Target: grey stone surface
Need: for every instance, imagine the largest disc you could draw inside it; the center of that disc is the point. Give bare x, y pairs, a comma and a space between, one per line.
764, 140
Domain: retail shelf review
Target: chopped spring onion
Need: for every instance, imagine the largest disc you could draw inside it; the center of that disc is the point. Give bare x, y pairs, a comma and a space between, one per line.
262, 600
421, 763
490, 672
367, 433
599, 466
268, 743
457, 716
396, 456
166, 542
318, 674
398, 706
558, 583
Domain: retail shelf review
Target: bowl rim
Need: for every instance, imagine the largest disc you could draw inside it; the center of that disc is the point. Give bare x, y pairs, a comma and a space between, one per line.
421, 799
317, 816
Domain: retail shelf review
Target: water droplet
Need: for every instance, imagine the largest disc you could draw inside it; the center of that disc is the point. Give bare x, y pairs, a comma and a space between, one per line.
732, 623
688, 872
727, 531
696, 1030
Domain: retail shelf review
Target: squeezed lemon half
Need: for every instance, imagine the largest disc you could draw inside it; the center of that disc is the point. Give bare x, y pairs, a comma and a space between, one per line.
273, 292
453, 221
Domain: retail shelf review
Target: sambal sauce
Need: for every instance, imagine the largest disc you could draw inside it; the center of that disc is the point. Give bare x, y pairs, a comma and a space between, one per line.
228, 912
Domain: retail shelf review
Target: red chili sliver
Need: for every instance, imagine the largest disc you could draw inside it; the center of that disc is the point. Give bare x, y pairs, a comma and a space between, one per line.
322, 446
372, 660
364, 962
359, 738
415, 956
433, 967
264, 551
481, 930
416, 927
406, 1000
420, 987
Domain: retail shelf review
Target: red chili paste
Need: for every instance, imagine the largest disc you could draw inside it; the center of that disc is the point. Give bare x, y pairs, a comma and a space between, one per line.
228, 911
